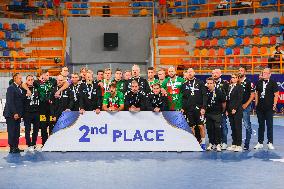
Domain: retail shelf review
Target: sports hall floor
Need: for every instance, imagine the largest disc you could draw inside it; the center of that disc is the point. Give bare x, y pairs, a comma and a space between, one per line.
158, 170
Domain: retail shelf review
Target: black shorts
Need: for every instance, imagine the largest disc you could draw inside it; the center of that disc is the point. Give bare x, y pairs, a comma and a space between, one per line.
194, 118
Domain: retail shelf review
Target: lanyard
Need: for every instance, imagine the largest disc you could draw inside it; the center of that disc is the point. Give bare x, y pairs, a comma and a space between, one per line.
173, 85
75, 90
90, 90
264, 85
231, 89
192, 87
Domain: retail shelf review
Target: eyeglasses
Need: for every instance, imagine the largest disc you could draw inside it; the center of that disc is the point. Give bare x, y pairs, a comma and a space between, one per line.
234, 77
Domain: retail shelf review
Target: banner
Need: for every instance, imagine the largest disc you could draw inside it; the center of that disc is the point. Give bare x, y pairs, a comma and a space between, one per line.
122, 131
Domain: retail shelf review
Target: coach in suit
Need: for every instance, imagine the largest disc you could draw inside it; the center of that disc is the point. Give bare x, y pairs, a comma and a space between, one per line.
13, 112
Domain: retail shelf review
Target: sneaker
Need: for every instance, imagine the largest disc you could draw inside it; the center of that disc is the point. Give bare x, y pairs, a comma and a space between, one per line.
270, 146
258, 146
38, 148
231, 148
203, 146
238, 149
30, 149
246, 147
218, 148
210, 147
224, 146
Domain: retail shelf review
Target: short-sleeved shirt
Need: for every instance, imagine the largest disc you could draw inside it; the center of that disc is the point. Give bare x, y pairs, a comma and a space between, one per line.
265, 90
173, 88
115, 101
248, 89
45, 88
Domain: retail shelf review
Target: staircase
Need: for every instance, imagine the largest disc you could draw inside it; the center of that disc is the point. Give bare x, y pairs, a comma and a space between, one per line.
170, 41
47, 43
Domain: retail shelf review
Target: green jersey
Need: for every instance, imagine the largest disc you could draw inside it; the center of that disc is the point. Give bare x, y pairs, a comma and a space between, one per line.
115, 101
173, 86
119, 85
45, 88
151, 83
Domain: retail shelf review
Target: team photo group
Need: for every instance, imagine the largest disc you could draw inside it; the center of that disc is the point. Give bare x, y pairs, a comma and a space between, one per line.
210, 107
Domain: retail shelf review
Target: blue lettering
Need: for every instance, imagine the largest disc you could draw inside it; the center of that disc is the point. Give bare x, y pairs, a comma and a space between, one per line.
125, 138
137, 136
103, 130
159, 133
116, 134
146, 135
84, 137
94, 130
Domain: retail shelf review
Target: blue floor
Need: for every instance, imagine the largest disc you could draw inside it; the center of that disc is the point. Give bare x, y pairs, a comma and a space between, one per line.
103, 170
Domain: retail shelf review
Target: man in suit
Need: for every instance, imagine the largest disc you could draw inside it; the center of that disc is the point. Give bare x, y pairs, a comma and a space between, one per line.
13, 112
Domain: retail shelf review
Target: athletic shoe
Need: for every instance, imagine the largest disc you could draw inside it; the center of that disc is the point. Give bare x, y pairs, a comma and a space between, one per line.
39, 149
224, 146
238, 149
258, 146
270, 146
30, 149
231, 148
246, 147
218, 148
203, 146
210, 147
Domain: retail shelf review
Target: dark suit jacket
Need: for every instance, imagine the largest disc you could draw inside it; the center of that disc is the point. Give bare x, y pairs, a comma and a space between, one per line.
14, 102
236, 99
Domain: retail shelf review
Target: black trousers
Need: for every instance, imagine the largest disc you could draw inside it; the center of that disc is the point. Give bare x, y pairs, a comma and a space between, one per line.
13, 127
213, 125
265, 116
236, 126
29, 119
44, 113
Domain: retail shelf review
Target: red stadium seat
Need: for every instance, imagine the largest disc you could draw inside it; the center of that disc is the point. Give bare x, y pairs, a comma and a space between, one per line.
198, 43
273, 40
211, 52
254, 50
237, 61
226, 24
221, 52
263, 50
246, 41
257, 22
219, 24
256, 31
237, 51
207, 43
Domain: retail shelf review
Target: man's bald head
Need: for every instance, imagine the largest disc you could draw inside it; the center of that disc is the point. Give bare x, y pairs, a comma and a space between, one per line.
172, 72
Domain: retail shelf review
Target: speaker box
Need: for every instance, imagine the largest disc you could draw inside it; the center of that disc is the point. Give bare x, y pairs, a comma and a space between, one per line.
110, 40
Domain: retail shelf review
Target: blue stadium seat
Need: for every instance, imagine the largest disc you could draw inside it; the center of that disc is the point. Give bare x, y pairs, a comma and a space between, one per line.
203, 34
229, 51
265, 21
170, 10
49, 4
7, 35
240, 32
211, 24
75, 12
84, 5
248, 31
6, 53
264, 3
273, 2
135, 11
275, 20
83, 12
274, 30
250, 22
2, 44
241, 23
265, 31
136, 4
221, 42
216, 33
75, 5
15, 26
180, 10
196, 26
201, 2
15, 36
22, 27
178, 3
231, 32
238, 41
195, 2
247, 50
209, 33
